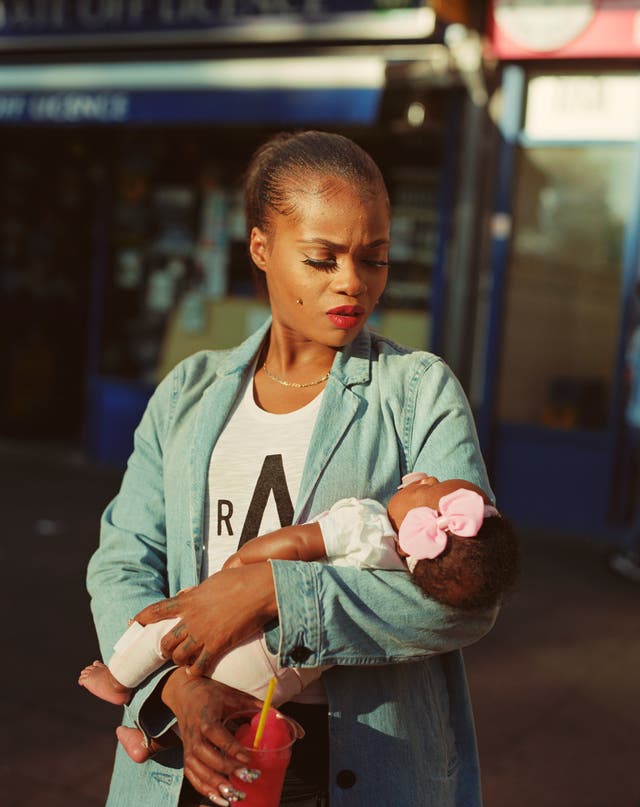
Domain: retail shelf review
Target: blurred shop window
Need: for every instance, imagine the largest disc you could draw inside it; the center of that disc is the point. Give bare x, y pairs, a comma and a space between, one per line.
564, 282
179, 277
415, 166
404, 315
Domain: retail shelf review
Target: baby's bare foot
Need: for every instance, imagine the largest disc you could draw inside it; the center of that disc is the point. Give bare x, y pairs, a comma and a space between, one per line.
133, 743
132, 740
99, 681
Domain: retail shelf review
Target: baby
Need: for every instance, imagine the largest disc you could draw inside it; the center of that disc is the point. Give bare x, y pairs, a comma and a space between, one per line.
446, 535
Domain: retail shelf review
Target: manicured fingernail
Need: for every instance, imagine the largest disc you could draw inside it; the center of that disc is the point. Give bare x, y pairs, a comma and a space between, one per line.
231, 793
216, 799
247, 775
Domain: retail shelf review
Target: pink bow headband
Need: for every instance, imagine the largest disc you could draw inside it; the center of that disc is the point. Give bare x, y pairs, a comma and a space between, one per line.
423, 533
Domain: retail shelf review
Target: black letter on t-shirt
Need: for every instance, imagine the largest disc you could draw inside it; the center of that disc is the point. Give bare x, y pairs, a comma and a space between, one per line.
271, 478
225, 511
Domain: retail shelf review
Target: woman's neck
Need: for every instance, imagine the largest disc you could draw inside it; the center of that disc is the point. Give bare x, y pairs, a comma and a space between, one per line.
295, 360
290, 374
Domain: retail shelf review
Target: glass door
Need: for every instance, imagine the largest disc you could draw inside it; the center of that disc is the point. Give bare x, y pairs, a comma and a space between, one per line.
556, 380
563, 293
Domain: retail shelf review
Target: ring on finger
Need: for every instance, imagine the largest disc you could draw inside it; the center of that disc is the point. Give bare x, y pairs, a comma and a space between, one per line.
247, 775
231, 793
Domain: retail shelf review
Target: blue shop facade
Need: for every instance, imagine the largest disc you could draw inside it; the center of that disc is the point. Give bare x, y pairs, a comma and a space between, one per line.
125, 128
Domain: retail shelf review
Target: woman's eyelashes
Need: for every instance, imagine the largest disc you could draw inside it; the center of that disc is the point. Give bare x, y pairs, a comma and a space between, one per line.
331, 264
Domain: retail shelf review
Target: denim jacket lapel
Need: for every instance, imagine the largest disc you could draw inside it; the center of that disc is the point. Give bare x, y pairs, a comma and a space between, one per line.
341, 403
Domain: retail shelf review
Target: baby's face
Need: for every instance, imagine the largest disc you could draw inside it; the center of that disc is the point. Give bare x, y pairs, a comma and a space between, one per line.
425, 492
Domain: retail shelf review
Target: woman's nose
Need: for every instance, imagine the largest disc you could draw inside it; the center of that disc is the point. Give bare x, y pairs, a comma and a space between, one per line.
349, 279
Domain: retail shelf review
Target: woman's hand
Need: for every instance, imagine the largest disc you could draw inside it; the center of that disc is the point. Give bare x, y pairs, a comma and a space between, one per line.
224, 610
210, 752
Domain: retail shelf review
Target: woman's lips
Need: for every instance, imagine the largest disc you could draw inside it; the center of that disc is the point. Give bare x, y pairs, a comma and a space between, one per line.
346, 316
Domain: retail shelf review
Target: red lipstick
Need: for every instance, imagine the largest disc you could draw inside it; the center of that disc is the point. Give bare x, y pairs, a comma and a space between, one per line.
346, 316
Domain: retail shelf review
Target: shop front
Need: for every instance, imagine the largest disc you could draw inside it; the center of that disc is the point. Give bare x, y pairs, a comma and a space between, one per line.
125, 130
563, 263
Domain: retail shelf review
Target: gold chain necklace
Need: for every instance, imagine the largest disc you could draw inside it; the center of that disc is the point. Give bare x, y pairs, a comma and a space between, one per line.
292, 383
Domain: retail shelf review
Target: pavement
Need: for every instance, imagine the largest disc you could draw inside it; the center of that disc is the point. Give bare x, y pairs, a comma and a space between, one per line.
555, 685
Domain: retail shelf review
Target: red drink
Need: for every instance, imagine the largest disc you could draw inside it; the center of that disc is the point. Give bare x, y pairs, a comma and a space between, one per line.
271, 758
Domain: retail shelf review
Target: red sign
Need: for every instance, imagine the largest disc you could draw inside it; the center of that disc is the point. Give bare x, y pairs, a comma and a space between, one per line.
559, 29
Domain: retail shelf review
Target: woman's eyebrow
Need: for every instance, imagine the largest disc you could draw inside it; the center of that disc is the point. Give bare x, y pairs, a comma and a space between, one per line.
380, 242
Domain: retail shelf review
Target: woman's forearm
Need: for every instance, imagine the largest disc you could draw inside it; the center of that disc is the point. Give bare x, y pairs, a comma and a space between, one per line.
353, 616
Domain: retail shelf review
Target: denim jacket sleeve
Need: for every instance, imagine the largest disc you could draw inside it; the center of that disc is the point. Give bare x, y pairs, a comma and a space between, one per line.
348, 616
128, 571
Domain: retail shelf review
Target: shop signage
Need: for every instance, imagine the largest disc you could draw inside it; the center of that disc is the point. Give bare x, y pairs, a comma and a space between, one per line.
291, 106
30, 23
583, 108
65, 107
338, 89
564, 29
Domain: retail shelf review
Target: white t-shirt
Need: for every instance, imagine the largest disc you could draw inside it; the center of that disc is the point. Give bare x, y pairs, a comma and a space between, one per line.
254, 475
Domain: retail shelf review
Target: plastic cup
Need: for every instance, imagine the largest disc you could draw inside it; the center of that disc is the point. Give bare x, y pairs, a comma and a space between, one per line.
271, 762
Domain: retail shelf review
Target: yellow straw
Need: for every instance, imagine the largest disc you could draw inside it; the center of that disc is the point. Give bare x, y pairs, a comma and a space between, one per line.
263, 713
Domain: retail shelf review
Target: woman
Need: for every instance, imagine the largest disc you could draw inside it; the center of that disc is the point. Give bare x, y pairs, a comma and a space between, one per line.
236, 443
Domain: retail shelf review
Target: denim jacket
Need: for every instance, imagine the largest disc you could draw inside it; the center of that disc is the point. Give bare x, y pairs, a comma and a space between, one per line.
400, 720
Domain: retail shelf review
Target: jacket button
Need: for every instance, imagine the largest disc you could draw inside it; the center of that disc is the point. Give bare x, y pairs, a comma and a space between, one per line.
300, 653
346, 779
